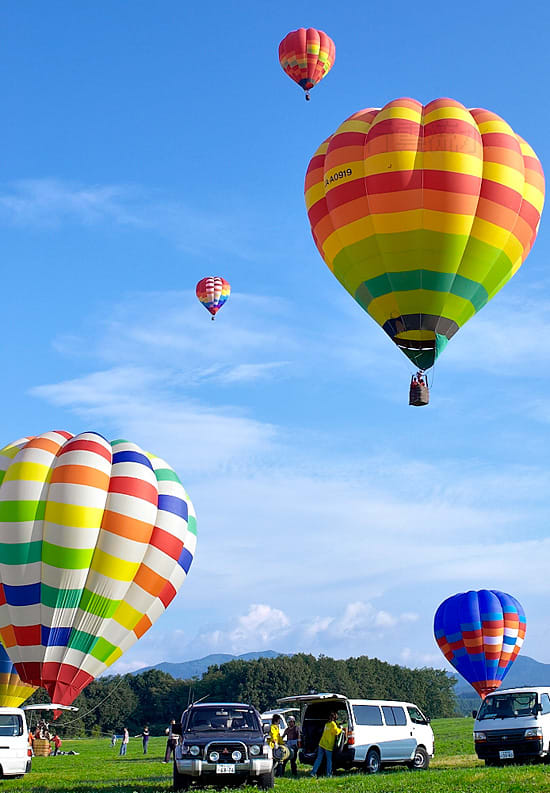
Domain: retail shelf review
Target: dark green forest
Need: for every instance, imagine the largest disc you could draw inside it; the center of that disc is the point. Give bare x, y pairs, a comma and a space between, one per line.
154, 697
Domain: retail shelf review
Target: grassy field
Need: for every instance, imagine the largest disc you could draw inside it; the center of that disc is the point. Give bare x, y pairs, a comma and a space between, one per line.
454, 769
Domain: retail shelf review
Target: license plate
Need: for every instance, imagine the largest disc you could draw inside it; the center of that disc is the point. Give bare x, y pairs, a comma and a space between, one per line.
506, 754
225, 768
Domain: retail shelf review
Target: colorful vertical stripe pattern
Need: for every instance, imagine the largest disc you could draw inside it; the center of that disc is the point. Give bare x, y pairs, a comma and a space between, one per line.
480, 634
96, 538
423, 213
307, 56
212, 293
13, 692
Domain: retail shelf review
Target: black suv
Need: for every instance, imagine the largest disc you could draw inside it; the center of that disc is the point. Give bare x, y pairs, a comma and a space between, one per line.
221, 744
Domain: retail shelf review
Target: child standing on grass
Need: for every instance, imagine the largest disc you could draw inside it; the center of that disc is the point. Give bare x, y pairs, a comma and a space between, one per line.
124, 744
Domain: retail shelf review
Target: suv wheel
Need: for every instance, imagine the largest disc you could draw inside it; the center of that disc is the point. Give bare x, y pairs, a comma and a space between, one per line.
181, 781
421, 761
266, 781
372, 762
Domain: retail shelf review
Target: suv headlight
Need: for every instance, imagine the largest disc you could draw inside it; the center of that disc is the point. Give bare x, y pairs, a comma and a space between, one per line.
214, 757
480, 736
236, 755
255, 750
195, 751
533, 732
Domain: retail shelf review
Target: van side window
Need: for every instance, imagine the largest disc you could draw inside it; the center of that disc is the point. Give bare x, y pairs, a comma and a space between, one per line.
416, 716
545, 702
399, 716
388, 715
368, 715
11, 724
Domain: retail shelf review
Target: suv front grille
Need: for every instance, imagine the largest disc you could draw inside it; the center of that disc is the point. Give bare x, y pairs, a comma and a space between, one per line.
225, 749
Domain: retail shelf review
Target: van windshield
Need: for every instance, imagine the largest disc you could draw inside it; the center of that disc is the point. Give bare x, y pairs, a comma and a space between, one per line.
11, 724
508, 706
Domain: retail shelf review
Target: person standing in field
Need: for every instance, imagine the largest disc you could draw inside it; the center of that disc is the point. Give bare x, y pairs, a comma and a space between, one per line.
145, 738
56, 744
275, 740
113, 740
125, 741
326, 745
292, 735
171, 742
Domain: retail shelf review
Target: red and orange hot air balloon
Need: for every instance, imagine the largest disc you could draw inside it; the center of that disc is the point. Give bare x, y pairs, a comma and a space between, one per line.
212, 293
307, 56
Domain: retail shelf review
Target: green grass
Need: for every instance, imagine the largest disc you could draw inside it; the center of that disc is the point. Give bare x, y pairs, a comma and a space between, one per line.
454, 769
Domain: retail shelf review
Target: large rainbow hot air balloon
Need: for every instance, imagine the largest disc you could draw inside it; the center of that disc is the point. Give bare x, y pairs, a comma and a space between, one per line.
307, 56
212, 292
13, 691
96, 538
480, 634
423, 213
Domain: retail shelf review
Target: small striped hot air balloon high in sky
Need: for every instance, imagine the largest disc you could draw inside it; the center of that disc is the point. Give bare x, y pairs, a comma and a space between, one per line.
212, 292
423, 213
307, 55
96, 538
480, 634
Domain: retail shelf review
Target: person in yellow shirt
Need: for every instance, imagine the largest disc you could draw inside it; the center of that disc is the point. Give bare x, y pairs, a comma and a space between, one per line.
326, 745
275, 740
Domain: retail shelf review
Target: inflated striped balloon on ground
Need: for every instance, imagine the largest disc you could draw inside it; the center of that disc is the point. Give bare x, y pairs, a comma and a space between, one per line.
307, 55
96, 538
480, 634
13, 692
423, 214
212, 292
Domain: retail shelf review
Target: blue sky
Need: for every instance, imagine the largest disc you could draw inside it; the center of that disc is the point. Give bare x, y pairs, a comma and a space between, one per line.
148, 145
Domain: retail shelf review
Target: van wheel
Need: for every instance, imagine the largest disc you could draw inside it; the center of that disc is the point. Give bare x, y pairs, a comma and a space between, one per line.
420, 761
372, 761
266, 781
181, 781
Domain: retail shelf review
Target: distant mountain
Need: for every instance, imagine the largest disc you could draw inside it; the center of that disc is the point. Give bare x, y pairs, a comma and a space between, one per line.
524, 671
196, 668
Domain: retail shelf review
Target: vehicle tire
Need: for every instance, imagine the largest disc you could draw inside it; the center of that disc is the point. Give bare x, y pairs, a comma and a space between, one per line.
266, 781
421, 761
181, 781
372, 761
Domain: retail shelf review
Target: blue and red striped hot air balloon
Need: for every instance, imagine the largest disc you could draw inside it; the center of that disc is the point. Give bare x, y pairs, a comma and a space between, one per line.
480, 634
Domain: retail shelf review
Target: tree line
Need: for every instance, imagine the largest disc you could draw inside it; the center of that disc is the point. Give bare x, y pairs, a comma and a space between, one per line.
155, 697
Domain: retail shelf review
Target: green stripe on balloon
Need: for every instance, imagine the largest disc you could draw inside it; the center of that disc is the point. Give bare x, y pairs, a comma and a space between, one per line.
20, 552
430, 280
59, 598
192, 524
164, 475
103, 649
97, 604
18, 511
66, 558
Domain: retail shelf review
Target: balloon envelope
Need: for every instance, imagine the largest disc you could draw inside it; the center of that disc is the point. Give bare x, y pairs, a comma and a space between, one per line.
96, 538
480, 634
307, 56
13, 692
423, 214
212, 292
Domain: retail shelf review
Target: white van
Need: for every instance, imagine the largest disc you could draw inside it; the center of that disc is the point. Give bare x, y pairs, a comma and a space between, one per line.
513, 725
376, 732
284, 713
15, 752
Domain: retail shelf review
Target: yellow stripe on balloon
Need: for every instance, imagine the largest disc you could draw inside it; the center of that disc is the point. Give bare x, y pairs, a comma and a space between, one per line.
27, 471
533, 195
383, 308
127, 616
111, 567
397, 112
451, 111
347, 235
454, 162
73, 515
314, 194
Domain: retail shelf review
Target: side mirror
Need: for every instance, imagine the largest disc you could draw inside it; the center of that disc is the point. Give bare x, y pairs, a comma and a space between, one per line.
266, 728
538, 708
176, 729
474, 714
428, 720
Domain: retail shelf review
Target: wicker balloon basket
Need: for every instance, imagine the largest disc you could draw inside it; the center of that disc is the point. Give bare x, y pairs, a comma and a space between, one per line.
41, 747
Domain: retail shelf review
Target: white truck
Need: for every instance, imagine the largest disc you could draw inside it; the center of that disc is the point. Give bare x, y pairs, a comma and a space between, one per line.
513, 726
